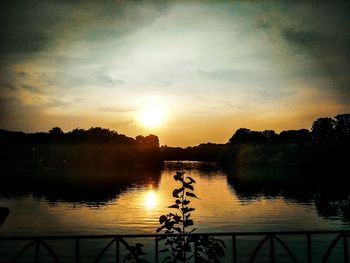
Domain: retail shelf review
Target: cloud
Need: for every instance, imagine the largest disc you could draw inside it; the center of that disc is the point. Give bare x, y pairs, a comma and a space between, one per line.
331, 62
31, 89
118, 109
304, 38
6, 85
27, 26
313, 40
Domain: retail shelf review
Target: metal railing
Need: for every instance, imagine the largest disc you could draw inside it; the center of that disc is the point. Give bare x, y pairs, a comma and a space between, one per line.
262, 239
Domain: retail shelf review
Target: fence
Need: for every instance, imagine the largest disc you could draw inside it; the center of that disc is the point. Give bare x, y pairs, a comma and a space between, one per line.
271, 244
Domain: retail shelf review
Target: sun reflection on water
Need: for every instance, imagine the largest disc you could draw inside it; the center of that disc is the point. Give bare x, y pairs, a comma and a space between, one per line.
150, 199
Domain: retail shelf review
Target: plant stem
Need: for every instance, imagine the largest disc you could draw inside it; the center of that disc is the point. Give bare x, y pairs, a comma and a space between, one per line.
183, 214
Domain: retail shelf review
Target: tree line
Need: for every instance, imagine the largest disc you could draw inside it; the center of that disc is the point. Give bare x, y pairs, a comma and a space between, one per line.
92, 135
90, 164
322, 130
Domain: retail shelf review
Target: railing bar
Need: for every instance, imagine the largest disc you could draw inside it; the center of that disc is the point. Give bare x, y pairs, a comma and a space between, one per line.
345, 246
156, 249
272, 249
309, 248
258, 247
117, 250
169, 235
234, 249
19, 254
77, 250
284, 245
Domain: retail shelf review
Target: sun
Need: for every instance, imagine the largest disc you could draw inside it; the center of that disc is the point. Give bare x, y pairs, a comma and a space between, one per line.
152, 116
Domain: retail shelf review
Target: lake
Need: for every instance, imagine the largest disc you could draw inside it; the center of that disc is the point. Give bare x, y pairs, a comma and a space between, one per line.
137, 208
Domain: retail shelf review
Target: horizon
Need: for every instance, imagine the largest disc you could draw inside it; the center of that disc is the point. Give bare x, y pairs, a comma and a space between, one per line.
188, 72
182, 146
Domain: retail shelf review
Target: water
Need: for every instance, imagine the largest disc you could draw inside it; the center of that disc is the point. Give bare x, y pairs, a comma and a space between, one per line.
137, 209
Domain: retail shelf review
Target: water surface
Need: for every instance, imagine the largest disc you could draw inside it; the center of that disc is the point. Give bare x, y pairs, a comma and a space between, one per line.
137, 209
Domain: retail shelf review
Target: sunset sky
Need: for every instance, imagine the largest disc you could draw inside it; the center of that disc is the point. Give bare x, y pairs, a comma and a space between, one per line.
187, 71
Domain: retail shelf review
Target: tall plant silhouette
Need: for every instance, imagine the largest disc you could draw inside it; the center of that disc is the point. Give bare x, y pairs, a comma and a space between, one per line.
180, 247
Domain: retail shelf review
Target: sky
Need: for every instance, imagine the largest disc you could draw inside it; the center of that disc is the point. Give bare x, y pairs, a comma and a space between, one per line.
188, 71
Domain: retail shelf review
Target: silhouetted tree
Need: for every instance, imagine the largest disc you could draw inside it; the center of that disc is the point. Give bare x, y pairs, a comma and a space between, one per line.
151, 139
77, 135
56, 131
270, 135
241, 135
294, 136
244, 135
257, 137
323, 129
342, 127
100, 134
140, 139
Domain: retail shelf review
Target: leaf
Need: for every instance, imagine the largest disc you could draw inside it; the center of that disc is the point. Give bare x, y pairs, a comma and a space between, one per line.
194, 229
177, 218
139, 245
188, 222
178, 201
186, 202
186, 185
191, 194
174, 206
162, 219
169, 225
178, 176
177, 191
191, 179
186, 210
178, 229
159, 229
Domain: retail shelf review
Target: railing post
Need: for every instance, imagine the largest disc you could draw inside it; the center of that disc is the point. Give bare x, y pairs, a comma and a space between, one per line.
77, 250
345, 246
195, 249
234, 249
117, 250
309, 248
156, 249
272, 250
37, 250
